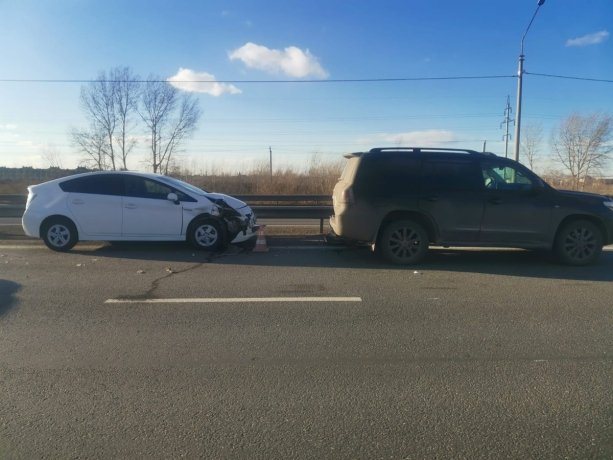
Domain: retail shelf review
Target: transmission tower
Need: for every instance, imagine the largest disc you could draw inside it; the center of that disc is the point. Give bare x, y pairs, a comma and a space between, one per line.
507, 121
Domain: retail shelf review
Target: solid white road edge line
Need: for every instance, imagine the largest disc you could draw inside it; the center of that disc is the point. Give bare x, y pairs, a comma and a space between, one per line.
239, 300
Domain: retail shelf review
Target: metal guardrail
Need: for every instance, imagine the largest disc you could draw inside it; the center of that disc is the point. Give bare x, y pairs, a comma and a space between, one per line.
265, 206
290, 206
12, 205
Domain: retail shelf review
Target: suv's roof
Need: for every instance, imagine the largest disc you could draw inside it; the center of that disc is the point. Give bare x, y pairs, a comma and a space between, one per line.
418, 150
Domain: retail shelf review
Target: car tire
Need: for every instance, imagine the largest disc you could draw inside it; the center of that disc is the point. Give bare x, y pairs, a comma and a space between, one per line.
403, 242
579, 242
59, 234
206, 234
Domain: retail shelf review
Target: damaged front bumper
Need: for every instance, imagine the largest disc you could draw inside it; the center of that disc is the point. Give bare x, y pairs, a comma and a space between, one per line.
242, 229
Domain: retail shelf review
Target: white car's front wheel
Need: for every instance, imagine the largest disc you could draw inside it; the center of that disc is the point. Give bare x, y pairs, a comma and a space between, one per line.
206, 234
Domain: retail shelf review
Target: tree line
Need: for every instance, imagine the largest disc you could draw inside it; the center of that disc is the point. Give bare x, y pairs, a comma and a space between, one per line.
118, 107
581, 145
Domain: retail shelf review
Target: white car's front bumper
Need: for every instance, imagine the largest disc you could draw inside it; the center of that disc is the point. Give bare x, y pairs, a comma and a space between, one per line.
252, 227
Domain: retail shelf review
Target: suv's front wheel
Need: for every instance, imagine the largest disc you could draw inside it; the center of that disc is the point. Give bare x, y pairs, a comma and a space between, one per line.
403, 242
579, 242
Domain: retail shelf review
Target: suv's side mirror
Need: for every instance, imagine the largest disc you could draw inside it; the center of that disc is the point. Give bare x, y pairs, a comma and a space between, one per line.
538, 187
173, 197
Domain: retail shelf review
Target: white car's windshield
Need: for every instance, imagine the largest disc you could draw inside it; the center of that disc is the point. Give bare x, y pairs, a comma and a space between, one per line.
179, 183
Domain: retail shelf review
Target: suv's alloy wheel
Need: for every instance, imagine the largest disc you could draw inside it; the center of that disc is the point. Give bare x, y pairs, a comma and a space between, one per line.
579, 243
403, 242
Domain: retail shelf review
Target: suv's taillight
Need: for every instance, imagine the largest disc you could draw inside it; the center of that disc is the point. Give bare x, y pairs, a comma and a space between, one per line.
347, 196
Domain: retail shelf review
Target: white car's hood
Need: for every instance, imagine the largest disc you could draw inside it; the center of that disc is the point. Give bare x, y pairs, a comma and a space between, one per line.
230, 200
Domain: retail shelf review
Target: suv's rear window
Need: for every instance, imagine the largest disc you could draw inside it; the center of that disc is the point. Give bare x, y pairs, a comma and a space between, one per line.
388, 175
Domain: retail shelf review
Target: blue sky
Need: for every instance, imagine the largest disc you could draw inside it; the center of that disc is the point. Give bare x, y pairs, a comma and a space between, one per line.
237, 42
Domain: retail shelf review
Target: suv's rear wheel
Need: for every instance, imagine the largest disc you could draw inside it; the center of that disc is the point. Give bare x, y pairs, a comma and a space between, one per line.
579, 243
403, 242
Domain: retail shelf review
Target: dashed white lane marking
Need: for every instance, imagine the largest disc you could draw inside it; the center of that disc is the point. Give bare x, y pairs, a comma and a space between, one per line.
239, 300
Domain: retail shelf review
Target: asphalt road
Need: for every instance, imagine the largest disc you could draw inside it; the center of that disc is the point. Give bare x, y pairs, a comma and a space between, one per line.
304, 351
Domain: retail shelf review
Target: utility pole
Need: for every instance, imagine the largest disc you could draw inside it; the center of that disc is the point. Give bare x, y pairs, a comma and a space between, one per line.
520, 77
507, 120
270, 151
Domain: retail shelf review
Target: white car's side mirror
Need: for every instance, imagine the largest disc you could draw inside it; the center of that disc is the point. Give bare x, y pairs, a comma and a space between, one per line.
173, 197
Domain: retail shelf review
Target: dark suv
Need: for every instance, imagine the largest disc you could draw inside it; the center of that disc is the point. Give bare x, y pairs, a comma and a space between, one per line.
404, 199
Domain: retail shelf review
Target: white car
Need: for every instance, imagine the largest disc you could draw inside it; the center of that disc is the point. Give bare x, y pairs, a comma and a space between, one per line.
131, 206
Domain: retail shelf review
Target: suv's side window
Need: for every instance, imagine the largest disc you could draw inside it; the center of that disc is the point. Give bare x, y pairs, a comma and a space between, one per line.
451, 175
504, 177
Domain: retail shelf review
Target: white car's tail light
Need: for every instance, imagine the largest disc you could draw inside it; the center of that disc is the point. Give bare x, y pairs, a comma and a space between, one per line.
31, 197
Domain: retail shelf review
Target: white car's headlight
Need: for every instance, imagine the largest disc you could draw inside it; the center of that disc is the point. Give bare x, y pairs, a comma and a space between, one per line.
608, 204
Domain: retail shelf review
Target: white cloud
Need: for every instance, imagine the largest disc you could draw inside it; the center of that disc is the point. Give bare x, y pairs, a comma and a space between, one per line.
201, 82
590, 39
8, 127
427, 138
291, 61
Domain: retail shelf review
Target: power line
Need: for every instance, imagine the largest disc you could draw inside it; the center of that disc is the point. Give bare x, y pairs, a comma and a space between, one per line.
338, 80
334, 80
567, 77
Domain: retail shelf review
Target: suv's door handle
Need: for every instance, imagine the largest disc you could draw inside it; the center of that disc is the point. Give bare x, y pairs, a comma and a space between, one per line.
130, 206
78, 201
495, 200
432, 198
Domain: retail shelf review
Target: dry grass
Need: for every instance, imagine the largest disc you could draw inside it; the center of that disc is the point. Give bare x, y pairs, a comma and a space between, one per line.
318, 179
14, 187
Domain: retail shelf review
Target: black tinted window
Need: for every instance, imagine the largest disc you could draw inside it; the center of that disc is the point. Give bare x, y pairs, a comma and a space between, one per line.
146, 188
388, 175
99, 184
450, 175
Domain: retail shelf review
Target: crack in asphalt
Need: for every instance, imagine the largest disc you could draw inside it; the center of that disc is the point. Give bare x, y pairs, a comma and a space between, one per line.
155, 284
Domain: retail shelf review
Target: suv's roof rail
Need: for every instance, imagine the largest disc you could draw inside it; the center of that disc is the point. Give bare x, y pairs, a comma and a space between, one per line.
425, 149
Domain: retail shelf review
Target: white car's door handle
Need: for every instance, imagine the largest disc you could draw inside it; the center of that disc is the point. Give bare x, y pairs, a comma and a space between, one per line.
78, 201
130, 206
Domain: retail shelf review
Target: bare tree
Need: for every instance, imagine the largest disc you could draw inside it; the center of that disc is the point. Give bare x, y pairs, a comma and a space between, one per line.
108, 103
170, 118
93, 144
126, 92
51, 154
582, 144
531, 139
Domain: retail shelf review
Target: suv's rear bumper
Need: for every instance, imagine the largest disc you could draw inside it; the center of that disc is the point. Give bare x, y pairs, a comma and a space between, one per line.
355, 226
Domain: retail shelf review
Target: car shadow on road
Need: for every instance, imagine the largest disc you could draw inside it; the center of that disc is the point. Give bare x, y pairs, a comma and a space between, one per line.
8, 289
314, 254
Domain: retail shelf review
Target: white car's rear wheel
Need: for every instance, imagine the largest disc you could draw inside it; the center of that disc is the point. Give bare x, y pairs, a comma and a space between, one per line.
59, 234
